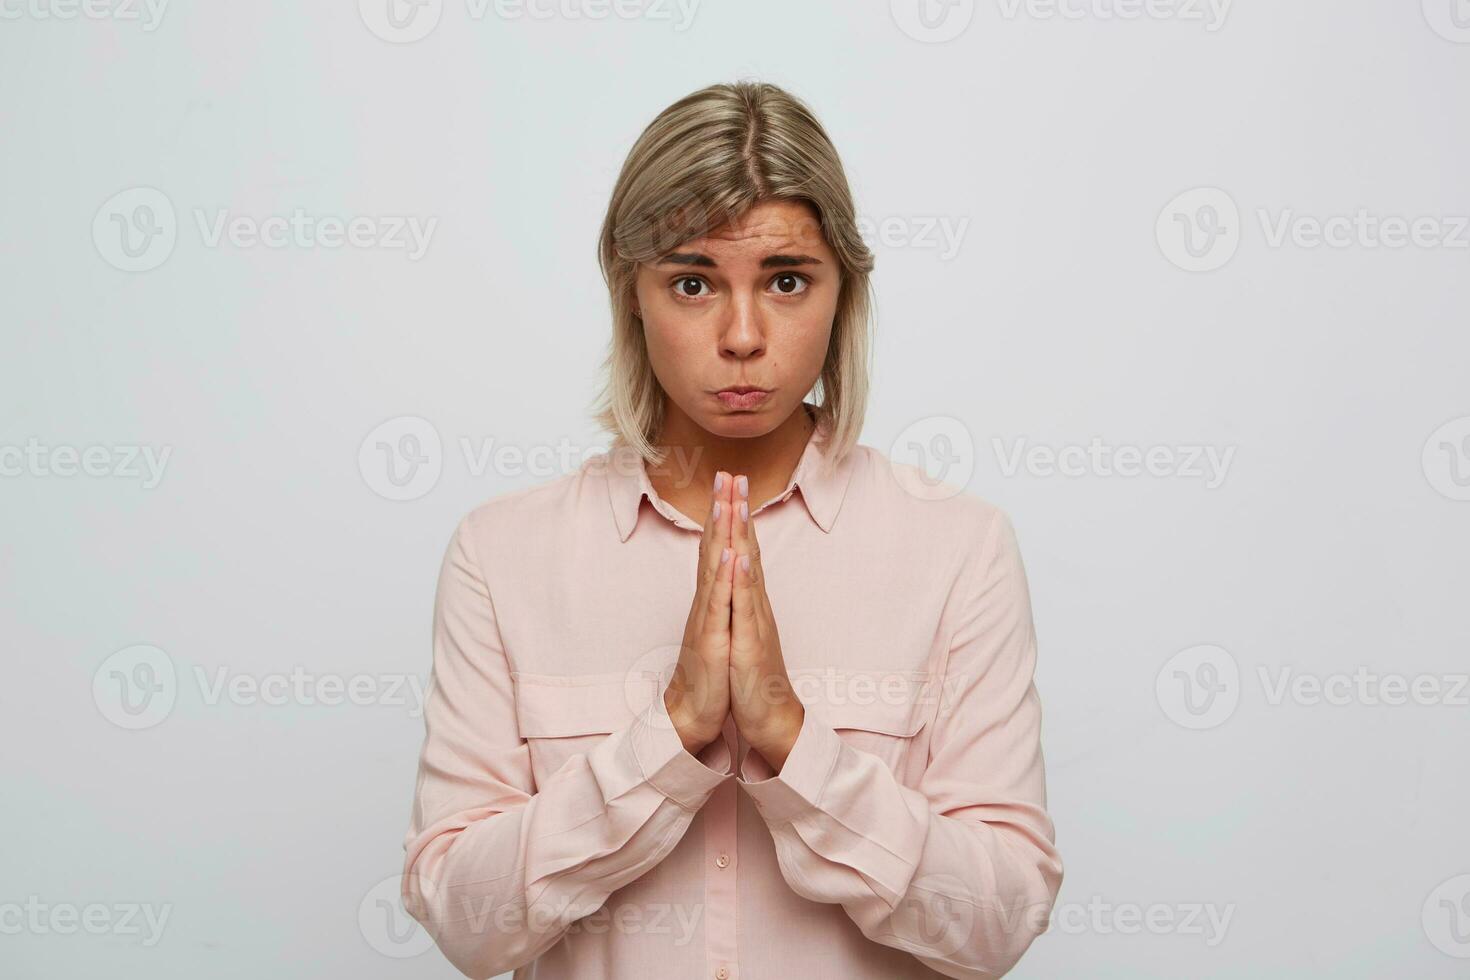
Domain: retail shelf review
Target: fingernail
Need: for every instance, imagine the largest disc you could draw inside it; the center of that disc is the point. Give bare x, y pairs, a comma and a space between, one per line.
744, 511
717, 509
724, 555
719, 481
745, 563
743, 486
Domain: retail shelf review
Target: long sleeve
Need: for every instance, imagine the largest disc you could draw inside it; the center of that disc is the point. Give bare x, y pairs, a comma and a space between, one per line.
961, 872
497, 868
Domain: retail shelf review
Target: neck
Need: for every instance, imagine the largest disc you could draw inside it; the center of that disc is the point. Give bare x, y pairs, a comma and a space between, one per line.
693, 456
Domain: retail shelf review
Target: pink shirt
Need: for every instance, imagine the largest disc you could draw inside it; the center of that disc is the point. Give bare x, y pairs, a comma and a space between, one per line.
560, 829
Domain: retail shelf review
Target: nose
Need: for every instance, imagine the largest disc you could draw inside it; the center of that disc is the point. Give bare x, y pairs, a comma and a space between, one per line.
744, 333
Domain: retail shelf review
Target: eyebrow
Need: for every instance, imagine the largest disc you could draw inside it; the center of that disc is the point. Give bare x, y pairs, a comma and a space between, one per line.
705, 262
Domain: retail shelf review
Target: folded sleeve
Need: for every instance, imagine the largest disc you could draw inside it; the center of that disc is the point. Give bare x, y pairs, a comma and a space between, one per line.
961, 872
497, 868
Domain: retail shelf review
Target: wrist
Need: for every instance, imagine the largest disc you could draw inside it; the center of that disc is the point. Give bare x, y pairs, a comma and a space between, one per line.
775, 741
692, 734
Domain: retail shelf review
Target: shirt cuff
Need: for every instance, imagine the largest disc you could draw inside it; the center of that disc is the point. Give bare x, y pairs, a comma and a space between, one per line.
686, 779
798, 787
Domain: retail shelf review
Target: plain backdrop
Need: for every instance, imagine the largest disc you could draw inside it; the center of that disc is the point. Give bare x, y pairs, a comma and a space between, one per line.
208, 704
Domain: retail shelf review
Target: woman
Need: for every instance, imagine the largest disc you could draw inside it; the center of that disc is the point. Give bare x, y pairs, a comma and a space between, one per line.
732, 733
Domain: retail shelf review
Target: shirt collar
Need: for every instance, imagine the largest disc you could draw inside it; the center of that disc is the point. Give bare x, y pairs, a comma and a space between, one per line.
823, 484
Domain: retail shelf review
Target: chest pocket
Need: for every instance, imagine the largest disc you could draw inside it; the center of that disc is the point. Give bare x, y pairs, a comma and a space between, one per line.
879, 712
560, 717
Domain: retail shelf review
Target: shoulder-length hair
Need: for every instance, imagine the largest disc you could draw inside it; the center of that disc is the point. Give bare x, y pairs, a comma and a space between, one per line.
704, 161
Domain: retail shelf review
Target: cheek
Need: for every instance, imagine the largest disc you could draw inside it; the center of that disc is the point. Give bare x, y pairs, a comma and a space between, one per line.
670, 341
672, 353
803, 344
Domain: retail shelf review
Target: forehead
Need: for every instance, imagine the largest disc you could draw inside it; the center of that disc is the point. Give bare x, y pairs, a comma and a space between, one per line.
766, 227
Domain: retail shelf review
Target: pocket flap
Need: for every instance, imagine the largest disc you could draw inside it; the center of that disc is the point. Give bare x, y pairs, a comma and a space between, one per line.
883, 701
550, 706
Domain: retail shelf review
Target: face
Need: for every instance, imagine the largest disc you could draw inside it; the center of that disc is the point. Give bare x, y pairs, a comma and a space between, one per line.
749, 306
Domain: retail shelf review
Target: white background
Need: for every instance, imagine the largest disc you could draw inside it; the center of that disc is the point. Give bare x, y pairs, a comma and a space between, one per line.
1331, 835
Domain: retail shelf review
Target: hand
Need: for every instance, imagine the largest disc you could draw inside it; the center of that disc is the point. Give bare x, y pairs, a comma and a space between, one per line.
698, 695
765, 707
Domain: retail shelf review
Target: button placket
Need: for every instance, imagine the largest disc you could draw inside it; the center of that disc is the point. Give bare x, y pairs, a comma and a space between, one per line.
719, 880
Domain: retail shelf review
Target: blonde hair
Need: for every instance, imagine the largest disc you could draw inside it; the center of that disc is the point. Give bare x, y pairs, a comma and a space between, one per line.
704, 161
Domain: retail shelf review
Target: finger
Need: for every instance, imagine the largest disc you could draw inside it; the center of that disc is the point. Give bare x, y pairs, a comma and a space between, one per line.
717, 602
757, 570
709, 557
708, 563
744, 630
750, 547
716, 627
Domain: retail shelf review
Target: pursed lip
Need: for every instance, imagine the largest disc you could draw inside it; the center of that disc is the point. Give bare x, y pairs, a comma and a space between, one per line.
743, 389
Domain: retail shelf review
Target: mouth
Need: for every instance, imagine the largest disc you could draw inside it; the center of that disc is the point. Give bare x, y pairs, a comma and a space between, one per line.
742, 396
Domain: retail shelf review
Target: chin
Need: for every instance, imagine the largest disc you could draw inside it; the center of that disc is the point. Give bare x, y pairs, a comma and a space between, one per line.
741, 425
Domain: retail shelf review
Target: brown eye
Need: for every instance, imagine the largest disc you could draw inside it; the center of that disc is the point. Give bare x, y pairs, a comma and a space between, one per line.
689, 286
790, 284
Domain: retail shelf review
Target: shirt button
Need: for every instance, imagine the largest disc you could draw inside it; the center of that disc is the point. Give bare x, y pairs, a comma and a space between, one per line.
723, 861
721, 973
